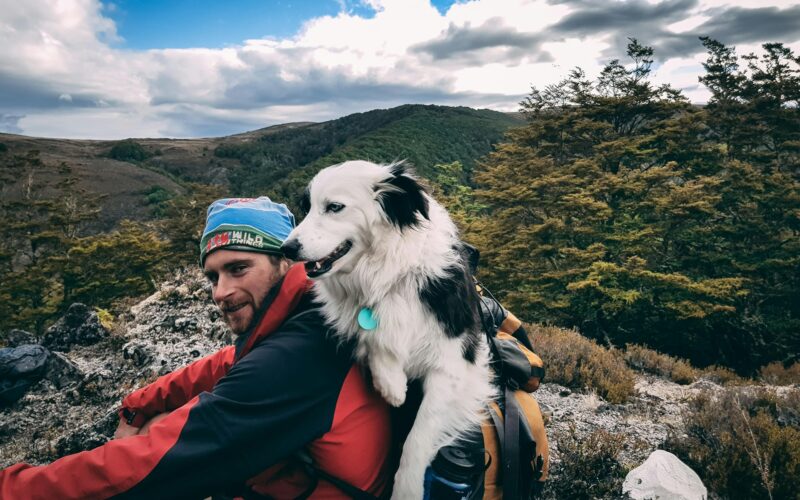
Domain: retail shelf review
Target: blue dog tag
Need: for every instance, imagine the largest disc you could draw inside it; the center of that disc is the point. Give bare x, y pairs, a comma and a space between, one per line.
366, 320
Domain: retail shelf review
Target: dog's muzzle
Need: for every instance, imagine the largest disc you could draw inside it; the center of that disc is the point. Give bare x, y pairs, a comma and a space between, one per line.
317, 268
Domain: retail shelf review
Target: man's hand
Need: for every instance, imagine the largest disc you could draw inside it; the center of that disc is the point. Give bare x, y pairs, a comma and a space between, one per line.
124, 430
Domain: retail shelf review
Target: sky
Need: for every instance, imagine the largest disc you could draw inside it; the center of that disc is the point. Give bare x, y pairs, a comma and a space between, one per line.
111, 69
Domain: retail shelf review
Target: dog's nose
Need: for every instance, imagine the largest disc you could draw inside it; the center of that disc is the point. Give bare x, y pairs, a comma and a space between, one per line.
291, 249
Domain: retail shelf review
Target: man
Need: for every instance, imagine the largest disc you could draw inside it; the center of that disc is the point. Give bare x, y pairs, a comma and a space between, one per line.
230, 423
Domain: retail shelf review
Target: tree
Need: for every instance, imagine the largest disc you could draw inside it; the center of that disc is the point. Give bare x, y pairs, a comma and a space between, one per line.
182, 222
450, 188
620, 210
754, 111
41, 213
105, 267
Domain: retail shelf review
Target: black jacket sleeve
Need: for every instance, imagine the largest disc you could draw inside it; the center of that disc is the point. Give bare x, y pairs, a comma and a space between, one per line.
275, 400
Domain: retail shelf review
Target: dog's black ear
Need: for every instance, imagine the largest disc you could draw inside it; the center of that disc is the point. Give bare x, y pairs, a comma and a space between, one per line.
401, 196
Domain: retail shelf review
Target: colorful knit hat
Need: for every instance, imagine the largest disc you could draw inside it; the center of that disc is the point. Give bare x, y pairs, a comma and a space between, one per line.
249, 224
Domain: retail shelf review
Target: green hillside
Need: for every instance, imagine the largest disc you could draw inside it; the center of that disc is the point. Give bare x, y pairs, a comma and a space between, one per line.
280, 164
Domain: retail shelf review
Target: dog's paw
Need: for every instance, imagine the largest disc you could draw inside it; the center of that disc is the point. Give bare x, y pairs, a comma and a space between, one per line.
395, 396
392, 388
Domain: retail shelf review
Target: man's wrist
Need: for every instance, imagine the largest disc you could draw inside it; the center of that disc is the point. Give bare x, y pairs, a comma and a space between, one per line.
132, 417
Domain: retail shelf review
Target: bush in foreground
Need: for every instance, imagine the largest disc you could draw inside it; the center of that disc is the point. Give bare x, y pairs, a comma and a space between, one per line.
744, 443
589, 467
575, 361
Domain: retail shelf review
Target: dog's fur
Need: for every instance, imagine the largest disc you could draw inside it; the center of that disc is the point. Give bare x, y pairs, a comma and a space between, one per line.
402, 261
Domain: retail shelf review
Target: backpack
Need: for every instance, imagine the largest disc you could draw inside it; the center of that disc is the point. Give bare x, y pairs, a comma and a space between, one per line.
513, 434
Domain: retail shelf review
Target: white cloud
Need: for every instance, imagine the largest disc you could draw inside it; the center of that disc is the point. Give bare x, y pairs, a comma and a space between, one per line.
688, 24
68, 79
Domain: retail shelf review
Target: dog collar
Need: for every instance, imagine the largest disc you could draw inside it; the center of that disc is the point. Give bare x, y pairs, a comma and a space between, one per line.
366, 320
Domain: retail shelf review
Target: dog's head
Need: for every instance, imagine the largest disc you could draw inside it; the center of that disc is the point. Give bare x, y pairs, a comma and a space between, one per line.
348, 206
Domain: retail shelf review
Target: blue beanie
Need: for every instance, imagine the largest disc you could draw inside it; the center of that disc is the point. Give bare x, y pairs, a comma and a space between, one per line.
248, 224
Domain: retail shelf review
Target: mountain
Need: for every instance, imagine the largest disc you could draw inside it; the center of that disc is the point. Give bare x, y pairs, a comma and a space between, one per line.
282, 162
128, 178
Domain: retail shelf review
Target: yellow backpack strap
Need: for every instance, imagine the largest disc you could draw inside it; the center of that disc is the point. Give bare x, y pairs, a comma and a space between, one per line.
492, 428
533, 414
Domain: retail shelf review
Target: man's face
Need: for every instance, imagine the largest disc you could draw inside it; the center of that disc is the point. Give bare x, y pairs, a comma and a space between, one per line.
240, 282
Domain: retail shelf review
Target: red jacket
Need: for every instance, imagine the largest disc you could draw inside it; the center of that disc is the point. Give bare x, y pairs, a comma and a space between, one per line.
235, 418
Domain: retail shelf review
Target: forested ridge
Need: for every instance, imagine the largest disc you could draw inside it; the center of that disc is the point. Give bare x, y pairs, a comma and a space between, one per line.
281, 164
617, 208
626, 212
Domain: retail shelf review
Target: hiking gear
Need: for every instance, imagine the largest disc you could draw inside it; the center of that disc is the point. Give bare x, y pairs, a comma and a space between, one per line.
249, 224
366, 320
514, 434
235, 417
457, 472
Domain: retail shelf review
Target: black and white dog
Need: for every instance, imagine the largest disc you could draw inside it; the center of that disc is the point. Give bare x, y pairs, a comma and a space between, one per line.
387, 268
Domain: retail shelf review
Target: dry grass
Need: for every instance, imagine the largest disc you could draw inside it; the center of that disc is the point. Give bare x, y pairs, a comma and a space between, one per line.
588, 466
647, 360
776, 374
724, 376
575, 361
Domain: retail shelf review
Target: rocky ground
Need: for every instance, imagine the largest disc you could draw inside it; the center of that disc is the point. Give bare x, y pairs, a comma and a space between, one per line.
73, 407
90, 368
645, 421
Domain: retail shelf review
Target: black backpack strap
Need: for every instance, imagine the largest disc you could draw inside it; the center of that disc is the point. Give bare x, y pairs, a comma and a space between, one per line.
511, 451
497, 420
315, 473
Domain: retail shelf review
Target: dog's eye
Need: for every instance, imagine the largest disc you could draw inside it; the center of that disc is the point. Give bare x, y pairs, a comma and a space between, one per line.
334, 207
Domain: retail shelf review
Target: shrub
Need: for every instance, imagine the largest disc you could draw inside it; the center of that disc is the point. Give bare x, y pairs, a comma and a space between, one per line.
744, 443
105, 317
128, 150
643, 359
575, 361
3, 147
776, 374
723, 376
157, 195
588, 467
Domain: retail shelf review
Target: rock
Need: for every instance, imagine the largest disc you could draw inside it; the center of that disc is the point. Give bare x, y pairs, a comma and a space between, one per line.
62, 372
26, 361
138, 354
182, 324
20, 368
80, 325
16, 338
75, 408
663, 475
12, 390
564, 393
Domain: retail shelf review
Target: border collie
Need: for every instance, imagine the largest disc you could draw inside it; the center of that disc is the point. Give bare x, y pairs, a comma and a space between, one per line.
388, 272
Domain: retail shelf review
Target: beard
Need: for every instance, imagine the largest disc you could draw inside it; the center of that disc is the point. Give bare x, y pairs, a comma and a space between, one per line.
242, 317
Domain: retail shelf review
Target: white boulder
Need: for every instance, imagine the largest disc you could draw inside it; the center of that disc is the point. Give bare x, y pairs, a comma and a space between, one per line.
664, 477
